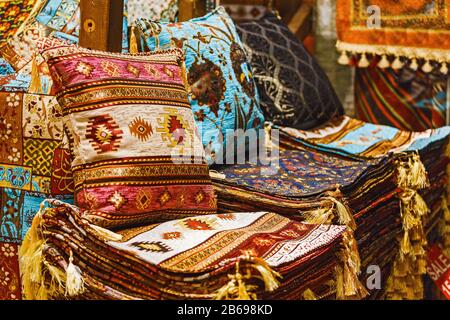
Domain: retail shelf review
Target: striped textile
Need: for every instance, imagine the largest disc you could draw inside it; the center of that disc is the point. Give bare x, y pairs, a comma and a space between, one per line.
406, 99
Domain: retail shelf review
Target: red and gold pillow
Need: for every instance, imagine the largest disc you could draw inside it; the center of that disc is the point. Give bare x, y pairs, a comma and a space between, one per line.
137, 153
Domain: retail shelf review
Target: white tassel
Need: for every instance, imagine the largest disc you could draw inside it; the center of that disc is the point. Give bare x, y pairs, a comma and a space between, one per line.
74, 281
363, 62
397, 64
414, 65
384, 62
444, 68
427, 67
344, 59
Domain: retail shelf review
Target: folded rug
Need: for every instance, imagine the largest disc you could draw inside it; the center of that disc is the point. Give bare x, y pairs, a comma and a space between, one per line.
225, 256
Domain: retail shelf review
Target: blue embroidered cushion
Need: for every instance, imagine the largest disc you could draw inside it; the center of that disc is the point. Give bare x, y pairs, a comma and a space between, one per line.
223, 92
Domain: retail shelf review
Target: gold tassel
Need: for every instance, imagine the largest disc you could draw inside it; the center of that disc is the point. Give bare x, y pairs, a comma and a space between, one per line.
308, 294
344, 59
74, 279
414, 65
363, 62
427, 67
420, 205
405, 245
384, 62
319, 216
184, 76
397, 64
35, 83
339, 275
133, 41
444, 68
269, 276
344, 214
419, 179
403, 180
106, 234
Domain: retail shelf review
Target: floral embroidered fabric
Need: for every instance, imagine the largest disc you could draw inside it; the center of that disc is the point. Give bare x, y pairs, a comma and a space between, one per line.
223, 94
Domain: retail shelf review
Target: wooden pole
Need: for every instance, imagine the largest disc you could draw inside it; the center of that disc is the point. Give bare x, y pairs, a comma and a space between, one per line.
101, 24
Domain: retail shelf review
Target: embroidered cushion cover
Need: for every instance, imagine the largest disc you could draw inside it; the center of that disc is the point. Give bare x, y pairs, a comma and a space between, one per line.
223, 93
294, 90
130, 126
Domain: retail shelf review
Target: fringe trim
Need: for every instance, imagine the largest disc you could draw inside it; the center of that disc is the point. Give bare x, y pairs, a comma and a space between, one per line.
308, 294
238, 289
412, 54
348, 285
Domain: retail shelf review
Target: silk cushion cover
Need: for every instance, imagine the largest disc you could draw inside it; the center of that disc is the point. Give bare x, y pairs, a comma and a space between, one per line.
223, 93
137, 154
294, 89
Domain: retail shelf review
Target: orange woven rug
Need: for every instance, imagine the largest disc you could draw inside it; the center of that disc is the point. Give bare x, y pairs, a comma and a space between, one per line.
413, 29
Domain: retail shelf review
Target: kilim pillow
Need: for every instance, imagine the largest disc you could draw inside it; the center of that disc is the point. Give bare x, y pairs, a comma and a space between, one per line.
137, 154
223, 93
294, 90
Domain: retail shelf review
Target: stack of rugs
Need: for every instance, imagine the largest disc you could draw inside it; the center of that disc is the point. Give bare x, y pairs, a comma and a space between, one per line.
223, 256
351, 137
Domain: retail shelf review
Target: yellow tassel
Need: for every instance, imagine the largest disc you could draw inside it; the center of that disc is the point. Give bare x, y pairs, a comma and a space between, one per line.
444, 68
339, 275
319, 216
344, 214
363, 62
133, 41
405, 245
402, 175
419, 179
225, 291
184, 76
427, 67
420, 205
397, 64
74, 280
308, 294
106, 234
56, 286
35, 83
344, 59
384, 62
414, 65
269, 276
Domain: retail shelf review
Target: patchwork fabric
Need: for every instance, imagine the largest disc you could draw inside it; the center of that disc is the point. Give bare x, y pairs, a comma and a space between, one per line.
195, 258
137, 153
153, 10
405, 99
34, 160
10, 288
223, 93
294, 90
12, 15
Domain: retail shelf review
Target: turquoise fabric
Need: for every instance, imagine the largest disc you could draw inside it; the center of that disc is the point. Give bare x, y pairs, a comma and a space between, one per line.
223, 93
64, 17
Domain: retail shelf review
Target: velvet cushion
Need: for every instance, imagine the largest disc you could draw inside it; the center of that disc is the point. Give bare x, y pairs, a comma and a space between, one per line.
294, 89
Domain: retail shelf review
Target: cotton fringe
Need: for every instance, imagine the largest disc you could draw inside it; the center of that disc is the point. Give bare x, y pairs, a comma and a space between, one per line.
348, 285
41, 280
440, 58
237, 289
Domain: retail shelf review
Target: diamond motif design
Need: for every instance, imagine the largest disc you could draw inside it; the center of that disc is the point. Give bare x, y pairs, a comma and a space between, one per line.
103, 134
164, 197
133, 70
143, 200
197, 224
141, 129
199, 197
117, 200
171, 235
110, 68
154, 246
84, 68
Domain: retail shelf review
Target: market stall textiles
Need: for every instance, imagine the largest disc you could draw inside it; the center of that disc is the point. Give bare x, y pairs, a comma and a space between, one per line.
347, 136
226, 256
402, 76
316, 187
